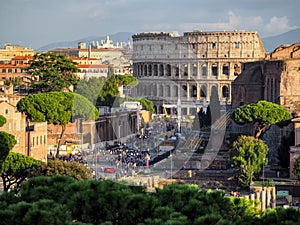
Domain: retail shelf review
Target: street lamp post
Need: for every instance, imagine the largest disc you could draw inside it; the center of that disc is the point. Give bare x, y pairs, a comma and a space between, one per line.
263, 174
28, 137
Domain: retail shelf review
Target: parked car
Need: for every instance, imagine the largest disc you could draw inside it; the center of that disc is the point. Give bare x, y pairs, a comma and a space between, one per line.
109, 170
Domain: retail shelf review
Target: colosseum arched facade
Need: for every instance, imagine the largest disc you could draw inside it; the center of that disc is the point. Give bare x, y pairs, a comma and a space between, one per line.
171, 67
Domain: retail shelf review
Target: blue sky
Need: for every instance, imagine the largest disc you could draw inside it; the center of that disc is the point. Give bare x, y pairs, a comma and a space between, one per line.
35, 23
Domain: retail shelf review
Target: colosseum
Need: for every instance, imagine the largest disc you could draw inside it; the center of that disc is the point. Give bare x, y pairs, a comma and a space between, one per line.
184, 70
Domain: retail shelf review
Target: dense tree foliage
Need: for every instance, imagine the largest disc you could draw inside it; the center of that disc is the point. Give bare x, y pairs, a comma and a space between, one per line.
107, 202
52, 72
7, 142
262, 115
2, 120
91, 88
16, 168
296, 169
129, 81
73, 169
104, 91
57, 108
248, 155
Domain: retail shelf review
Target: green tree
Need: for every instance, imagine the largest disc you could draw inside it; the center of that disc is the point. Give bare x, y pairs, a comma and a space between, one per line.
262, 115
42, 212
248, 155
52, 72
108, 202
57, 108
146, 104
2, 120
16, 168
108, 93
91, 88
296, 169
73, 169
7, 142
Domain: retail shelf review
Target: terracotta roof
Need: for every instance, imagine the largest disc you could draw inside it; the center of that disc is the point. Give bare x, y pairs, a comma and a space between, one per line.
92, 66
19, 57
81, 58
13, 66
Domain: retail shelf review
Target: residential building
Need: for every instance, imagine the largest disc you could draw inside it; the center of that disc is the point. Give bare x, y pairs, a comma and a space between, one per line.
31, 137
115, 56
10, 51
15, 68
15, 125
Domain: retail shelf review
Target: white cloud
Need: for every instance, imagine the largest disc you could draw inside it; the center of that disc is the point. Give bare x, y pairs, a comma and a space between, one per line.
279, 25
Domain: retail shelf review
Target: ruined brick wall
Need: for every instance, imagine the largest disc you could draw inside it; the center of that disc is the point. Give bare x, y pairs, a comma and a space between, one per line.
286, 52
290, 86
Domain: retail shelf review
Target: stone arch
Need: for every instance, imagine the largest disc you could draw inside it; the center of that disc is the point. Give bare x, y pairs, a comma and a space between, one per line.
150, 70
225, 91
155, 70
161, 70
145, 70
169, 70
161, 90
193, 91
175, 92
167, 91
203, 91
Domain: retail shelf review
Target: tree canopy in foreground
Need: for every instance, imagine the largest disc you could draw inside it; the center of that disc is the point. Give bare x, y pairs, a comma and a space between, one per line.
107, 202
262, 115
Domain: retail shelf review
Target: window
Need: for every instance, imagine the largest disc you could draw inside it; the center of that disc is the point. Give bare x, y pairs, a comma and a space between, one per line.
225, 70
237, 45
185, 72
6, 111
214, 45
195, 70
184, 89
3, 70
204, 70
194, 91
214, 70
168, 70
177, 71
